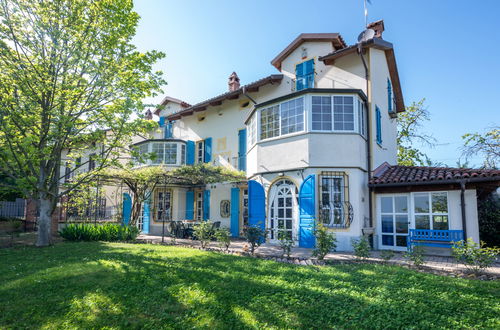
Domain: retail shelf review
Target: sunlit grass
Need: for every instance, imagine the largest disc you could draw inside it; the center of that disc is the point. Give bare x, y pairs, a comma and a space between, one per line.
114, 285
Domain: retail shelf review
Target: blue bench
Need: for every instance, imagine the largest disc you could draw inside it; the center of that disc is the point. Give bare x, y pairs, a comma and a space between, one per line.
435, 238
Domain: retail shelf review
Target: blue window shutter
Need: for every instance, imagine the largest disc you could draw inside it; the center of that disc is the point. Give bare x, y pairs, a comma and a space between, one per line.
309, 67
307, 212
242, 150
299, 70
189, 204
168, 130
146, 214
378, 119
190, 152
235, 212
127, 209
299, 76
389, 95
256, 205
162, 121
208, 150
206, 205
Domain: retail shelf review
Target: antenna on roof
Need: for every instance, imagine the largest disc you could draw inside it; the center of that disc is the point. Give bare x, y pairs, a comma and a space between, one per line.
366, 11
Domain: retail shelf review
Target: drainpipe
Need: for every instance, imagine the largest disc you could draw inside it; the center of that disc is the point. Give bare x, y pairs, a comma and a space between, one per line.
368, 134
244, 92
462, 206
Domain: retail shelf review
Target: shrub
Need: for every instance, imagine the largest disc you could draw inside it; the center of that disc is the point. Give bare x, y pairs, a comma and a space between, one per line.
96, 232
361, 247
475, 257
223, 237
387, 255
254, 235
325, 241
203, 232
286, 243
416, 255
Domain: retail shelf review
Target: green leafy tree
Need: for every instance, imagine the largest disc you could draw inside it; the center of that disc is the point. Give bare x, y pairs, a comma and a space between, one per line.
70, 78
486, 145
409, 134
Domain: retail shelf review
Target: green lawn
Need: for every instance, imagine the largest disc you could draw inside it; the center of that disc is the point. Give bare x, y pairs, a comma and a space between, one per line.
94, 285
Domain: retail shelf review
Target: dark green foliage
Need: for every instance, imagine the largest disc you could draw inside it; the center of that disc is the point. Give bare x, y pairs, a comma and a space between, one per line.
489, 219
474, 256
416, 255
325, 241
203, 232
361, 247
223, 237
92, 232
96, 285
255, 236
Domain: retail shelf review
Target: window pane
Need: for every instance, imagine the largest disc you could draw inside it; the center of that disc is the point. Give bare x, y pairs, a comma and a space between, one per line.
158, 152
439, 203
401, 203
343, 111
387, 224
269, 122
388, 240
171, 153
386, 204
321, 113
422, 222
440, 222
292, 116
401, 240
421, 203
401, 224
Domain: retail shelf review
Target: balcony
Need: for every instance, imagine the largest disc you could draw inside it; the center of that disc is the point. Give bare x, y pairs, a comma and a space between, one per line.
167, 152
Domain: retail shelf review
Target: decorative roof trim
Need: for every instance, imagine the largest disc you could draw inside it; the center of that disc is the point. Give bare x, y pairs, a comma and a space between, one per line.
336, 39
167, 99
252, 87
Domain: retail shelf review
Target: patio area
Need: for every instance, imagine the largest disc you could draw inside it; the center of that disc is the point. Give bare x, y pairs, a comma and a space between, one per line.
437, 264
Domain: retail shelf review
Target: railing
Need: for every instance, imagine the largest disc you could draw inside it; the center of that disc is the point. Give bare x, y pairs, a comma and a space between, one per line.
337, 214
16, 209
435, 238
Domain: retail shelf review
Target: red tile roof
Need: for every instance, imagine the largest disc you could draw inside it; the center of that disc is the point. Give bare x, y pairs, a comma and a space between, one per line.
387, 174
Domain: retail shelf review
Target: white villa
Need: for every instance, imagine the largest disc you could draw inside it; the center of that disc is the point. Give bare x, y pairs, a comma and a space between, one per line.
317, 141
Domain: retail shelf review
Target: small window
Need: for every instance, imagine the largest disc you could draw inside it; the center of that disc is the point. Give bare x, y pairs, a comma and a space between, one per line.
335, 209
183, 154
322, 113
199, 205
270, 122
431, 210
361, 118
92, 162
200, 151
252, 130
389, 96
292, 116
343, 113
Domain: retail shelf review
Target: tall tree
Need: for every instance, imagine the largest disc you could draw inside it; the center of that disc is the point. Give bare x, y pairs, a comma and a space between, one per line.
410, 134
70, 78
486, 145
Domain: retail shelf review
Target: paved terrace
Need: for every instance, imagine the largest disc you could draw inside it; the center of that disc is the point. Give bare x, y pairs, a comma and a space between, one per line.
438, 264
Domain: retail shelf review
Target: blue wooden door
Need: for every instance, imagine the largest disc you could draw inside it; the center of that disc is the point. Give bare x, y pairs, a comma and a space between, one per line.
307, 211
235, 212
242, 150
256, 205
126, 209
146, 215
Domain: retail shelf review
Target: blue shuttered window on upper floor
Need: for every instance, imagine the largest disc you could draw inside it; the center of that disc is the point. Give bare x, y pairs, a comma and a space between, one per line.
304, 75
168, 130
378, 120
389, 96
190, 152
162, 121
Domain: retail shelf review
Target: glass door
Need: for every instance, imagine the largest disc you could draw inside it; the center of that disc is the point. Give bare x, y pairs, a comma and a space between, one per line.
394, 221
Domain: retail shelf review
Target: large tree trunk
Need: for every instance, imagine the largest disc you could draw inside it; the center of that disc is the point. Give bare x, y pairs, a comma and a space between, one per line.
136, 212
44, 221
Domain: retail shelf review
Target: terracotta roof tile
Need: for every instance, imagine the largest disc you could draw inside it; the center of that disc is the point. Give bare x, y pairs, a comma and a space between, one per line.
390, 174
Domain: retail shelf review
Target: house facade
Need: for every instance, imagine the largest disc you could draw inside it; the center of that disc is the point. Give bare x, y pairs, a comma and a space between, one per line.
317, 141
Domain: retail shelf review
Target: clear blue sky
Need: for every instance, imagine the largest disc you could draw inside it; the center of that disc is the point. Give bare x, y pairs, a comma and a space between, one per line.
446, 51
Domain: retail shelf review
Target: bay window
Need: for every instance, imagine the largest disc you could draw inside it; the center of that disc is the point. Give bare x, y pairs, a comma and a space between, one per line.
157, 152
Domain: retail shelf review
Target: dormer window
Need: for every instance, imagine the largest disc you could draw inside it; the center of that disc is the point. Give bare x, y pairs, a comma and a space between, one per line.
304, 75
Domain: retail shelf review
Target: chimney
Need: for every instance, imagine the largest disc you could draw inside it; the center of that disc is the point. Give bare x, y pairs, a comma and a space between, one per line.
148, 115
378, 27
234, 82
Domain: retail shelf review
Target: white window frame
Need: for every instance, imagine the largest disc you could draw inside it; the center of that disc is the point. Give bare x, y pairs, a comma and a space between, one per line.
342, 200
431, 212
252, 131
200, 145
199, 205
304, 118
356, 101
409, 214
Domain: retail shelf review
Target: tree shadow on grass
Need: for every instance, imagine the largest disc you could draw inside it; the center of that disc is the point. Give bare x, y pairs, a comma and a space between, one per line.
91, 285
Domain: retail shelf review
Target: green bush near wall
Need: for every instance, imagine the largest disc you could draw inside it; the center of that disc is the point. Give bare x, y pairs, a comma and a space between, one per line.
96, 232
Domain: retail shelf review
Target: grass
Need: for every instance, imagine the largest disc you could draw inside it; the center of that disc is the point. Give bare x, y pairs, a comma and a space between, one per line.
116, 285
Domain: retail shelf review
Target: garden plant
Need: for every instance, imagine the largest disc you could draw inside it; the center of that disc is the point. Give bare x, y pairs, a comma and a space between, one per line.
475, 257
255, 236
361, 248
223, 237
203, 232
326, 241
